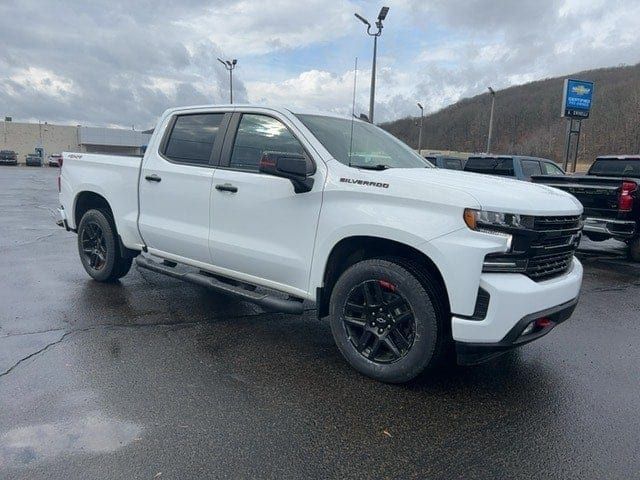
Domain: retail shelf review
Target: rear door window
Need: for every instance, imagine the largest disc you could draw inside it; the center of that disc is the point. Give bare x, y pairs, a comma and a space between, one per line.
192, 137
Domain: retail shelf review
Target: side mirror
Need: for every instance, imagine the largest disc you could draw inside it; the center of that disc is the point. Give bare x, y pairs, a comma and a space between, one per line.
293, 166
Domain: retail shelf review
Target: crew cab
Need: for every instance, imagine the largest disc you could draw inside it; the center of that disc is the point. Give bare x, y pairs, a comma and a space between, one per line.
410, 263
610, 194
515, 166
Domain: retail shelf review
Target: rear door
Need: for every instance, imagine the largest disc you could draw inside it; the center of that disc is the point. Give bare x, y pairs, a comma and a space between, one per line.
175, 186
261, 230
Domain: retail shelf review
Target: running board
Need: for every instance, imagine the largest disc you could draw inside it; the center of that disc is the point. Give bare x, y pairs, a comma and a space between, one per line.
265, 300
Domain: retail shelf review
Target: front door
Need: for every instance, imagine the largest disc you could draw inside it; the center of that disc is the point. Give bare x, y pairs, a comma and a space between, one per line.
261, 229
175, 187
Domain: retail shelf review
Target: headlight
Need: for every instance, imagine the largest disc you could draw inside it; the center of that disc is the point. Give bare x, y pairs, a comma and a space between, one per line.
481, 220
494, 223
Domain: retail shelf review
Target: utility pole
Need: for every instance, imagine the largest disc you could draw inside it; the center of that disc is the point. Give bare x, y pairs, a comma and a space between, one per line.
420, 134
381, 16
229, 65
493, 102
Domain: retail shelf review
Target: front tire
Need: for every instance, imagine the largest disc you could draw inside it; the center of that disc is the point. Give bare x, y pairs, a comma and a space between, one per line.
99, 248
387, 320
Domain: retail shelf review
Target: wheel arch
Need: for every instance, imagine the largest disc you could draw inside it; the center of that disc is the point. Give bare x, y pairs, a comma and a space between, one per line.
88, 200
355, 248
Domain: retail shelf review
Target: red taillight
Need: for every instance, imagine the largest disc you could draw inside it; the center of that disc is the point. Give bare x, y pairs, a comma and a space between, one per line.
625, 200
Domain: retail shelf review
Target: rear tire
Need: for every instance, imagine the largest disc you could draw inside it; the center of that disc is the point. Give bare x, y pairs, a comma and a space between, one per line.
99, 247
634, 249
387, 320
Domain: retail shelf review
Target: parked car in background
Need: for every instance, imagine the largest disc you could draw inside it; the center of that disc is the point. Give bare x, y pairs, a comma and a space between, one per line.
405, 260
54, 160
8, 157
515, 166
446, 161
610, 195
33, 160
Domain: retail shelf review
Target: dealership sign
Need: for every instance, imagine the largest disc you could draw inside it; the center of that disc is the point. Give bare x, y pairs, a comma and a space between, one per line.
577, 96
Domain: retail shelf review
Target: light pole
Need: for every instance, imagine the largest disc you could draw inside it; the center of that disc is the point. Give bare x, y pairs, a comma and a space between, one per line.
381, 16
229, 65
420, 134
493, 102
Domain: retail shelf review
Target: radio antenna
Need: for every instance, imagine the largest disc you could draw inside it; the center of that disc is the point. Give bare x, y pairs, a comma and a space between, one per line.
353, 106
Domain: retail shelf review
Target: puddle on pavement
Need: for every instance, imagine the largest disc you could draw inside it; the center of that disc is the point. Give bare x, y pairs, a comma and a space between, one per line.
91, 434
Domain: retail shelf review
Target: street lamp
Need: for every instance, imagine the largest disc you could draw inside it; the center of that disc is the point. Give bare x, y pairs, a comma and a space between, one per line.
229, 65
493, 102
421, 120
381, 16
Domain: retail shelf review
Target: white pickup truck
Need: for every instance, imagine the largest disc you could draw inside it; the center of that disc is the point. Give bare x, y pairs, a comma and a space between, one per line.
409, 262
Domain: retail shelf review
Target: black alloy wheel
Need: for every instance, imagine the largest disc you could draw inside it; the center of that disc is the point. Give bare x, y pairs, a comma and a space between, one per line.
389, 319
379, 321
94, 246
99, 247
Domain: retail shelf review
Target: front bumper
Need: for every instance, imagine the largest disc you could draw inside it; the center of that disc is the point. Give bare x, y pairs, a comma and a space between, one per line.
474, 353
621, 229
513, 298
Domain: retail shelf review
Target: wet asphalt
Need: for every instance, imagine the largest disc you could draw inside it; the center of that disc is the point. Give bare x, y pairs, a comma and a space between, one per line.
154, 378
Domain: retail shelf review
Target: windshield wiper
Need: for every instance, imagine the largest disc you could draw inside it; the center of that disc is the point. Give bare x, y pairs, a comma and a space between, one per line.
379, 166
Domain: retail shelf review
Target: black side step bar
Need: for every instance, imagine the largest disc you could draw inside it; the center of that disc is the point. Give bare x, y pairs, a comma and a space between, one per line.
265, 300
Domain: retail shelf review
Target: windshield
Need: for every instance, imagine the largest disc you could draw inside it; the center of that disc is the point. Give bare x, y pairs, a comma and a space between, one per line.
629, 167
368, 147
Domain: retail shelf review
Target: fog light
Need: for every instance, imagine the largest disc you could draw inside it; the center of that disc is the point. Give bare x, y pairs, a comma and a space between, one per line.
529, 328
537, 325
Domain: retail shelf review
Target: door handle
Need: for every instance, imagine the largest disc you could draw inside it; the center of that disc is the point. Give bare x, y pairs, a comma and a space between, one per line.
153, 178
227, 187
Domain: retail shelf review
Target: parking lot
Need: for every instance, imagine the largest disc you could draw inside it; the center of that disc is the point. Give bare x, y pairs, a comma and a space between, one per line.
154, 378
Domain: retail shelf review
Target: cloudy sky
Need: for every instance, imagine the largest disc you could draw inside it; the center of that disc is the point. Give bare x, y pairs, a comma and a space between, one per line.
122, 62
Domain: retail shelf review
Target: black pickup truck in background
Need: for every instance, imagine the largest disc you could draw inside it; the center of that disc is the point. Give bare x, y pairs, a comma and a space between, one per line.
610, 195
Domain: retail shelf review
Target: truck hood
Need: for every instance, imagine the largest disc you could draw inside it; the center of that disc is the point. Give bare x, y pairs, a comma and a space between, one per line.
490, 192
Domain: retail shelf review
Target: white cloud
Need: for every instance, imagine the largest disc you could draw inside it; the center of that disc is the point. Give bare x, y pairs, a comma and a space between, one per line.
249, 27
314, 89
42, 81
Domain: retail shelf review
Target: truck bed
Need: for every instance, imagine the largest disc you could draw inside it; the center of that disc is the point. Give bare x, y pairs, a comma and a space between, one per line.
114, 177
599, 195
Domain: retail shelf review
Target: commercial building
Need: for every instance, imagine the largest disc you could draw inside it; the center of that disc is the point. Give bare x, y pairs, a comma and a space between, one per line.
24, 138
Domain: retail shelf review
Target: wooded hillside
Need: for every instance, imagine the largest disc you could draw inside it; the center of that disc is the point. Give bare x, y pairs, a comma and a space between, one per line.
527, 119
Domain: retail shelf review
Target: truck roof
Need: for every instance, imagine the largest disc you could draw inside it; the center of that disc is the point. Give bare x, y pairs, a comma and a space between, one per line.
521, 157
279, 108
619, 157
